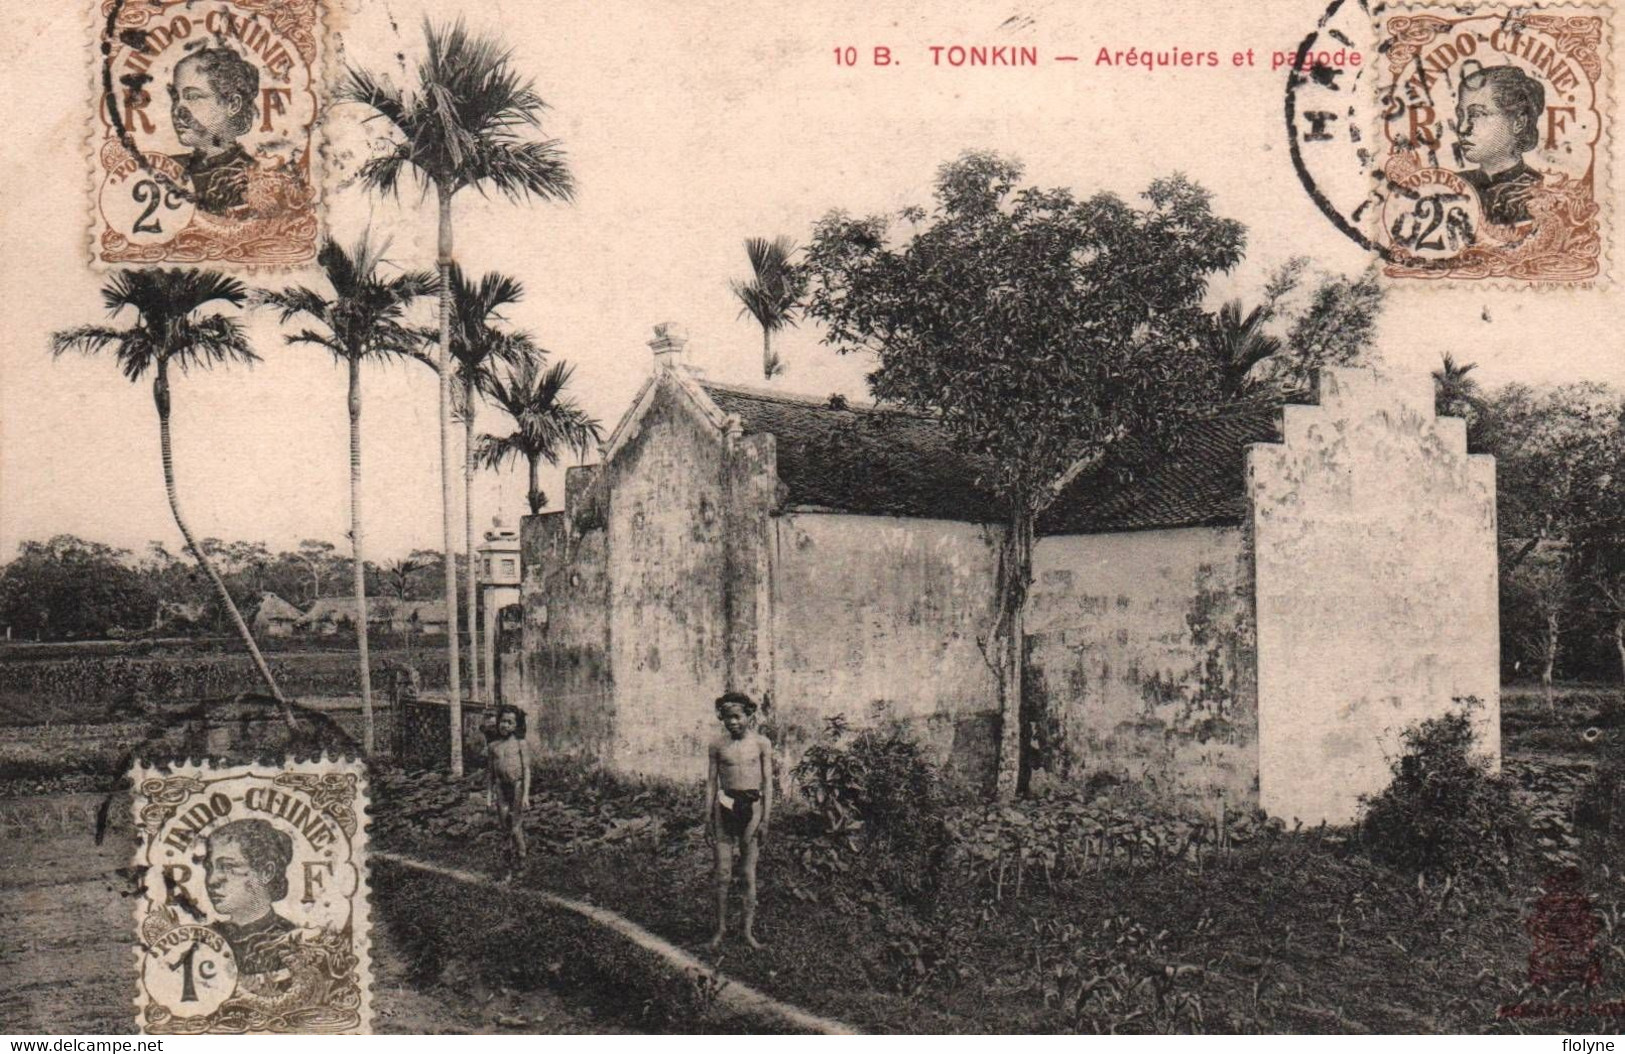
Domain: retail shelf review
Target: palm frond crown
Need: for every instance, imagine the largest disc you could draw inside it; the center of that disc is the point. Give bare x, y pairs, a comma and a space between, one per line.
170, 326
463, 124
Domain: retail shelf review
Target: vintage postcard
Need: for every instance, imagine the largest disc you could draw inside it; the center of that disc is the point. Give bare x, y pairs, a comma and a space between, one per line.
254, 913
868, 516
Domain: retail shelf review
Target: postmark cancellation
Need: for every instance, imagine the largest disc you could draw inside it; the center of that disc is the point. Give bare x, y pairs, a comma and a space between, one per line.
1494, 145
254, 912
204, 145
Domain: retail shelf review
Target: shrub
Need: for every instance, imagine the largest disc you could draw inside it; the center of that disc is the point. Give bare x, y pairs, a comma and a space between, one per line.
1600, 808
880, 795
1445, 815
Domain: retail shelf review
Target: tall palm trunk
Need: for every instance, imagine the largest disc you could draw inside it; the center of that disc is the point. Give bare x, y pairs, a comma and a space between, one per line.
367, 736
468, 527
533, 496
447, 490
160, 397
767, 353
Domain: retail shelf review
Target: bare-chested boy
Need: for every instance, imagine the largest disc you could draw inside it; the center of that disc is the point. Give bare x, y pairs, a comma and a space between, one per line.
507, 786
739, 787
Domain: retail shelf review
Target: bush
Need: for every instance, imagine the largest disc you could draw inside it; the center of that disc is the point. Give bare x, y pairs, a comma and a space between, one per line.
1600, 808
880, 795
1445, 815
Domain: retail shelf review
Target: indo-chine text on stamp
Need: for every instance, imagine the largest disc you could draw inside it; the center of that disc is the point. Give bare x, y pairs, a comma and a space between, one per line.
254, 909
207, 122
1494, 146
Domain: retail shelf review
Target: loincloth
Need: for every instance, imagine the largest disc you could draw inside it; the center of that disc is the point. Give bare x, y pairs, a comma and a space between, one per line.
735, 808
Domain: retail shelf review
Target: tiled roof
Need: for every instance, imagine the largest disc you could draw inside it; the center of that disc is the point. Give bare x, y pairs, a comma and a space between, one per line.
860, 458
866, 460
1198, 483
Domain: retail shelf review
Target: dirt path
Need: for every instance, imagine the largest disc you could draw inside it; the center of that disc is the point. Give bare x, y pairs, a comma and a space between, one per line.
740, 997
67, 917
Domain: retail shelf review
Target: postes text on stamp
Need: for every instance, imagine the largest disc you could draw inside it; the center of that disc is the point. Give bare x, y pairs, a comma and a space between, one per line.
1493, 151
254, 909
205, 149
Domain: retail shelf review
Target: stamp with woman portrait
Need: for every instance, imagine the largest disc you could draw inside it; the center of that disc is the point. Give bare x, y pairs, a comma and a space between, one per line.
253, 916
204, 145
1494, 147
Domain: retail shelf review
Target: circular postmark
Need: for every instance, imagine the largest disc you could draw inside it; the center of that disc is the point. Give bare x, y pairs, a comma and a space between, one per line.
190, 971
1471, 147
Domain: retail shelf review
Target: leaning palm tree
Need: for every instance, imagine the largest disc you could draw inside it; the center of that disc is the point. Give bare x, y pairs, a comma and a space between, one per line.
363, 319
460, 127
1239, 343
545, 421
476, 346
771, 295
172, 329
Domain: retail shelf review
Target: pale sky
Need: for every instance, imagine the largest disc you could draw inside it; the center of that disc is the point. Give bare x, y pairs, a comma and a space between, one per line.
688, 126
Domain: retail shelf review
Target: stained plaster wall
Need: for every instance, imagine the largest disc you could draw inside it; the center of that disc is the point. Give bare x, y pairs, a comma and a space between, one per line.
877, 618
566, 688
1140, 662
665, 520
1374, 537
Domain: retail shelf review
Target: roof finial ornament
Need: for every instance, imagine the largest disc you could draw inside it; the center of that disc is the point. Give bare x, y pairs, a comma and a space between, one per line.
669, 345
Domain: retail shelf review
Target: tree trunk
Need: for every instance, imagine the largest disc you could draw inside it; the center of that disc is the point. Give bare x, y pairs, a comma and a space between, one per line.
468, 528
1619, 642
160, 396
767, 353
1015, 575
448, 491
367, 736
534, 495
1550, 664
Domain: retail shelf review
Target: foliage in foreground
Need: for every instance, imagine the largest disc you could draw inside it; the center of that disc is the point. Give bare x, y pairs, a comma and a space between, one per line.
1446, 815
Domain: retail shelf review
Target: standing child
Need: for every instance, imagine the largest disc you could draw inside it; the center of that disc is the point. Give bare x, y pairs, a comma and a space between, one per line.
507, 786
739, 788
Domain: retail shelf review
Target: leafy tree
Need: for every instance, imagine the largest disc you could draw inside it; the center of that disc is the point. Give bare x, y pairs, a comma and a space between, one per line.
1543, 588
461, 127
1335, 329
1555, 453
364, 319
171, 328
71, 588
545, 421
771, 295
1043, 330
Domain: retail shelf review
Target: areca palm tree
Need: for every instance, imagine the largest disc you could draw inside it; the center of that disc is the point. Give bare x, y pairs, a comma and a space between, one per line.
476, 345
1239, 344
770, 296
461, 126
545, 422
173, 329
1455, 393
363, 319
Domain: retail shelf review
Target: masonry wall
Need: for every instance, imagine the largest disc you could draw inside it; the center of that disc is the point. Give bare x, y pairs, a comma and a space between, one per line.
665, 520
877, 618
567, 689
1140, 662
1374, 538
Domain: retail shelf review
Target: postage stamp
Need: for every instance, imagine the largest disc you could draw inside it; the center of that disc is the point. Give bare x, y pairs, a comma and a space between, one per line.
1493, 153
253, 916
205, 144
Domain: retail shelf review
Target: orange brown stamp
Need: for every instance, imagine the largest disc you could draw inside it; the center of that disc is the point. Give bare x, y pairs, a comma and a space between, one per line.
205, 138
1494, 143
